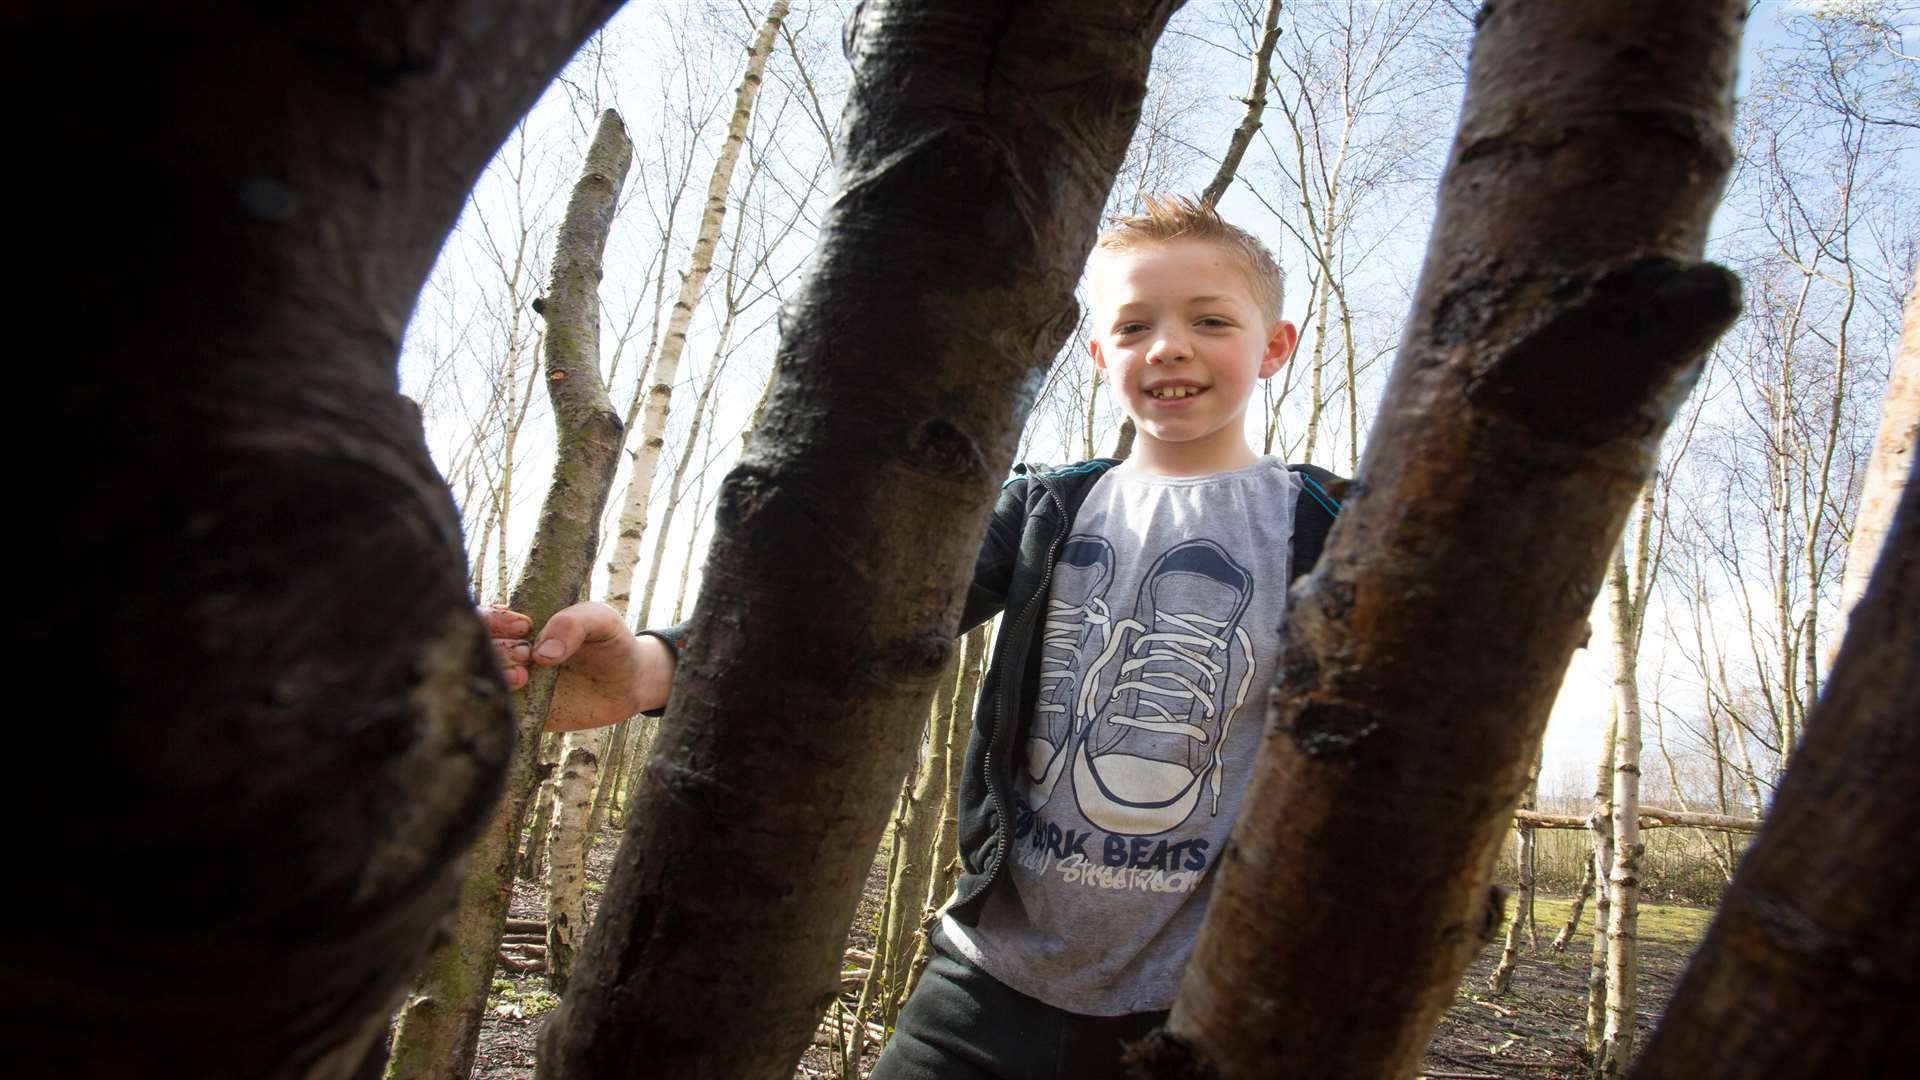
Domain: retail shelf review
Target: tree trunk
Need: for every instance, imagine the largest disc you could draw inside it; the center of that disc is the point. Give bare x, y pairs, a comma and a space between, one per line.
1891, 460
1580, 896
567, 864
440, 1024
914, 828
605, 792
1623, 880
946, 844
640, 731
295, 724
653, 420
1808, 968
1601, 822
679, 478
943, 849
533, 853
979, 151
1435, 629
1522, 917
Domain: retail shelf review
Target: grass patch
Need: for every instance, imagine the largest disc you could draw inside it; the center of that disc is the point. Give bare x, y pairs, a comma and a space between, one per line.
1672, 925
508, 999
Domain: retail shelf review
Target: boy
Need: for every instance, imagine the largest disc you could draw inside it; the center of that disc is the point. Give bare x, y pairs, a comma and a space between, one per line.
1121, 720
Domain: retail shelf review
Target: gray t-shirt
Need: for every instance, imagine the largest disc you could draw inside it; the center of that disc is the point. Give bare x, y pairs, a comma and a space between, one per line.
1161, 632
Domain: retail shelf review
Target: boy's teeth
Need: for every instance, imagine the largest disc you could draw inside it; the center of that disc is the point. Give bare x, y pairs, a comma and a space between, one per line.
1174, 392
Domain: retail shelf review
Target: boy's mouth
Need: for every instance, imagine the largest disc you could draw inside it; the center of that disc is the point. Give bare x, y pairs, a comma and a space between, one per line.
1174, 393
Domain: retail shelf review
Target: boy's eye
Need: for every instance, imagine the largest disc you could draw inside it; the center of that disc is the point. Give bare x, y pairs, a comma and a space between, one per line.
1212, 320
1130, 328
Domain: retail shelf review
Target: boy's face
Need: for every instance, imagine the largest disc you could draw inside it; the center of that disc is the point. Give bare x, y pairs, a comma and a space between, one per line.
1182, 340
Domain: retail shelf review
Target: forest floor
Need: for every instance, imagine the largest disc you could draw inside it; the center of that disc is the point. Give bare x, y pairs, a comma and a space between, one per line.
1532, 1032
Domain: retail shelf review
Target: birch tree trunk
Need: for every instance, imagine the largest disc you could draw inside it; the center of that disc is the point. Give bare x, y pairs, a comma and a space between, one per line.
1502, 978
533, 853
1436, 627
567, 864
605, 791
946, 842
297, 726
1808, 968
1891, 460
915, 826
440, 1023
1601, 822
653, 418
977, 152
1580, 896
1623, 880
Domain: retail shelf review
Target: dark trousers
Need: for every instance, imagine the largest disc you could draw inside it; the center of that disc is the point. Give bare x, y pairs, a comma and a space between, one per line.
962, 1024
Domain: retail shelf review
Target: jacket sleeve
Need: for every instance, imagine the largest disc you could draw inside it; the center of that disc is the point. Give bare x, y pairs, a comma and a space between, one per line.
993, 569
1313, 515
674, 636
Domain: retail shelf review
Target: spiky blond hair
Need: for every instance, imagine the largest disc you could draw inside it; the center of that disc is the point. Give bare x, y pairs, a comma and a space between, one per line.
1177, 217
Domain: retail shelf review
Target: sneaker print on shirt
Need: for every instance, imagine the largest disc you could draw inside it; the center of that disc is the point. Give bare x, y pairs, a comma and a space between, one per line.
1179, 672
1078, 624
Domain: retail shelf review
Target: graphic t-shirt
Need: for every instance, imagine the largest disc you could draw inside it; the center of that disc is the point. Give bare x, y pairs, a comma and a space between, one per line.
1160, 637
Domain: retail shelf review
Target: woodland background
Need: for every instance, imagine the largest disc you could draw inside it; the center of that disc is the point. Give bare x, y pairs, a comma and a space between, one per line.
1751, 512
1727, 599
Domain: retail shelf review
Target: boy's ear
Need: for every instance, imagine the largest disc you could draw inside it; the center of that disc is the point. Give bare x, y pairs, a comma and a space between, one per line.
1100, 361
1280, 345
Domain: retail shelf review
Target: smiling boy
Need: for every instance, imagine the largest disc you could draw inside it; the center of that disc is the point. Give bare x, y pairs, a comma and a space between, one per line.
1120, 714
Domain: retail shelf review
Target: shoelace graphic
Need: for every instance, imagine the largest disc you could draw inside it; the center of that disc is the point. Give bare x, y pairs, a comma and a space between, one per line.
1060, 649
1189, 644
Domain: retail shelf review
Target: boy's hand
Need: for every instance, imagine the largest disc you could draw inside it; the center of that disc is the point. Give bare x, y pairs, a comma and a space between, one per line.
606, 672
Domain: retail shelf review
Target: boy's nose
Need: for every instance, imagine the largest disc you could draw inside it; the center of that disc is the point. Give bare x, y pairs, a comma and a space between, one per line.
1169, 347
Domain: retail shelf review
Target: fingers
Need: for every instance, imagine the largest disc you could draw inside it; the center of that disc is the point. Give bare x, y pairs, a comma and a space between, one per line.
505, 623
568, 630
512, 652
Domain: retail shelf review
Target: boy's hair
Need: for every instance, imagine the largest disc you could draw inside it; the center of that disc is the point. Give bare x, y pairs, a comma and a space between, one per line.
1177, 217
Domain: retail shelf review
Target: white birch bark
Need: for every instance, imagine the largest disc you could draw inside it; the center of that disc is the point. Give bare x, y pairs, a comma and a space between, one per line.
1521, 919
653, 423
540, 818
567, 868
1602, 825
1623, 881
1580, 896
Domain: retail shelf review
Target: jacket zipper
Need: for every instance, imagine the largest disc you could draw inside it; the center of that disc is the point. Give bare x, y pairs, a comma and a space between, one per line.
1001, 803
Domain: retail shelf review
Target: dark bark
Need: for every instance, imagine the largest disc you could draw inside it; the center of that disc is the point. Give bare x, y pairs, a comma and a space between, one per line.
256, 614
440, 1026
1812, 966
1561, 317
978, 150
